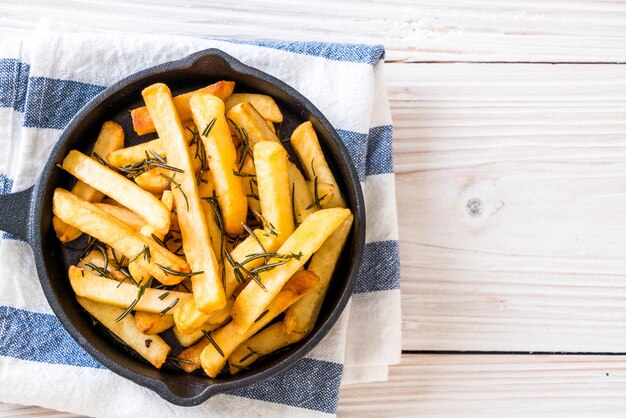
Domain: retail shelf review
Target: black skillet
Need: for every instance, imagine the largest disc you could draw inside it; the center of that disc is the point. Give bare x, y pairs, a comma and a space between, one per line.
28, 214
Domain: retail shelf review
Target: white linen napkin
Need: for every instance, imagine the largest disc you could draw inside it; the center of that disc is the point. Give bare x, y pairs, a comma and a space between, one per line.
45, 80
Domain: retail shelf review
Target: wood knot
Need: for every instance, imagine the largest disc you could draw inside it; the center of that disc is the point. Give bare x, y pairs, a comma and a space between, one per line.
474, 206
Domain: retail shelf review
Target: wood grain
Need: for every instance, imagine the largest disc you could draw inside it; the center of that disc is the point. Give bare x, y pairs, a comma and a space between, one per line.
416, 30
511, 188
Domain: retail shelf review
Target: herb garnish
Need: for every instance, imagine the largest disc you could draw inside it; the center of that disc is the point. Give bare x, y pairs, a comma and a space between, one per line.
100, 160
145, 252
212, 341
166, 310
152, 160
262, 315
267, 225
171, 180
178, 273
140, 292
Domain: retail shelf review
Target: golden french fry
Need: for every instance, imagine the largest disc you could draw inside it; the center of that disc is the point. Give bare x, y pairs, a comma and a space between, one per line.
187, 340
135, 154
125, 215
191, 356
153, 323
111, 138
152, 347
208, 115
111, 292
142, 119
301, 316
119, 188
94, 261
265, 105
270, 160
271, 125
206, 190
163, 265
247, 118
207, 285
325, 193
307, 147
306, 240
300, 194
154, 180
188, 318
271, 339
228, 338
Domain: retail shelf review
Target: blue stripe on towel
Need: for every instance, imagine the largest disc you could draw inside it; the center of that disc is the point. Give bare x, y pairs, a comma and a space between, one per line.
379, 151
358, 53
310, 383
39, 337
51, 103
380, 269
6, 185
13, 83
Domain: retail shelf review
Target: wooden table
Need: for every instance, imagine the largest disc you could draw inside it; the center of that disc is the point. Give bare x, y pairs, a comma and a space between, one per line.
510, 153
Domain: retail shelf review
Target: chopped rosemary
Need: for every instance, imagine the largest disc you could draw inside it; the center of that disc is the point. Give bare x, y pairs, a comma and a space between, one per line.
245, 144
243, 174
250, 354
158, 240
237, 366
251, 233
178, 273
140, 292
267, 255
152, 160
102, 272
213, 343
176, 360
267, 225
101, 160
262, 315
293, 205
145, 252
164, 295
268, 267
236, 267
90, 243
209, 127
171, 180
104, 255
166, 310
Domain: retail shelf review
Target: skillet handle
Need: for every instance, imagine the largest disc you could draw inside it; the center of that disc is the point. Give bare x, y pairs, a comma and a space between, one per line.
14, 210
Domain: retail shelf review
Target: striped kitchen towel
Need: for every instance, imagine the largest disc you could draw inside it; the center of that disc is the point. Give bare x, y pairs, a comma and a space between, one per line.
45, 80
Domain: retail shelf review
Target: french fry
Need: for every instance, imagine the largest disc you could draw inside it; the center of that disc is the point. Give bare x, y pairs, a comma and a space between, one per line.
206, 190
306, 240
153, 323
187, 340
271, 125
228, 338
309, 152
125, 215
207, 287
135, 154
166, 267
271, 339
112, 292
270, 160
142, 119
301, 316
189, 319
153, 348
191, 356
300, 194
208, 115
111, 138
246, 117
119, 188
265, 105
154, 180
325, 193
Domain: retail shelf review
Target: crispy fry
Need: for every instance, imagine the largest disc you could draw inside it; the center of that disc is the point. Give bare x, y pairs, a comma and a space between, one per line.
306, 240
300, 194
249, 183
153, 323
134, 154
301, 316
307, 147
265, 105
119, 188
111, 292
270, 160
111, 231
125, 215
152, 347
208, 115
142, 119
228, 338
188, 318
206, 190
191, 356
271, 125
187, 340
154, 181
95, 259
207, 287
111, 138
246, 117
271, 339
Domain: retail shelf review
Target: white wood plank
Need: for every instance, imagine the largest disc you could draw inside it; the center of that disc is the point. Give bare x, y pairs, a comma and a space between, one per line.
447, 386
540, 150
412, 30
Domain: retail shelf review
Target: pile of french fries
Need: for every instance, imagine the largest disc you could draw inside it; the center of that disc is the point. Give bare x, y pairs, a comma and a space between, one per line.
209, 230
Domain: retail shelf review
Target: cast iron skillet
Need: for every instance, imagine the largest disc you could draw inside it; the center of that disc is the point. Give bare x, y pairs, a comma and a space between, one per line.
28, 215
